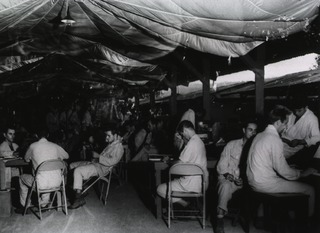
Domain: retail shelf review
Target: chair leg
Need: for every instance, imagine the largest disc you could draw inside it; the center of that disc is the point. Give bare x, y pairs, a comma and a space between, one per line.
107, 191
169, 211
39, 204
28, 201
204, 212
64, 198
101, 191
54, 196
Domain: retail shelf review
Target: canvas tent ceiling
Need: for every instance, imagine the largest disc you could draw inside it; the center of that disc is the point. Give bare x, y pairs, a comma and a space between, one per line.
123, 41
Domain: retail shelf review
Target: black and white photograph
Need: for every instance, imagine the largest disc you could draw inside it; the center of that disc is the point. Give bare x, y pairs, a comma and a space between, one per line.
155, 116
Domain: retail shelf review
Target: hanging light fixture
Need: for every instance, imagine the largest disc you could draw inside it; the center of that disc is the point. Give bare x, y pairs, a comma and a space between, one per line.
56, 21
68, 20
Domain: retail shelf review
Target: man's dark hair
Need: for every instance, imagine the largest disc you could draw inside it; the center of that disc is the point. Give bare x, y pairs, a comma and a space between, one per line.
249, 121
299, 101
113, 128
9, 127
184, 124
42, 132
279, 112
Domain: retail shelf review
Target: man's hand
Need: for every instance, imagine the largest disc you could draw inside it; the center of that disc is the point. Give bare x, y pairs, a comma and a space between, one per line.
308, 172
15, 154
285, 140
165, 159
294, 142
297, 142
238, 181
229, 177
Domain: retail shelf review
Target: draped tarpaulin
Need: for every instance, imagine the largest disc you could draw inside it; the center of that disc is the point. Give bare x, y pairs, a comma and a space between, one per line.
118, 37
149, 28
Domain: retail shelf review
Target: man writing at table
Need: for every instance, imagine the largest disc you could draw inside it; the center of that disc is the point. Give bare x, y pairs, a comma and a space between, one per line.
301, 136
193, 152
267, 168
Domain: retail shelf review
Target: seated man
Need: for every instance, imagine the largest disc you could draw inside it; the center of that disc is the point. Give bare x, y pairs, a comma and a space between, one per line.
302, 132
145, 142
83, 170
267, 169
228, 170
193, 152
38, 152
8, 148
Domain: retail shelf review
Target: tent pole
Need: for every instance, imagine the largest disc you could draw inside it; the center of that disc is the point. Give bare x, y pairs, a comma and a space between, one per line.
259, 80
152, 96
256, 64
206, 87
173, 87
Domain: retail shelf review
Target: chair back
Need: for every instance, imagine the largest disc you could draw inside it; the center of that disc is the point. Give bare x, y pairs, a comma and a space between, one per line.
51, 165
186, 169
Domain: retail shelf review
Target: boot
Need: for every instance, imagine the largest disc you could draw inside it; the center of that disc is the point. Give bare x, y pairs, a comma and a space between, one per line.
78, 202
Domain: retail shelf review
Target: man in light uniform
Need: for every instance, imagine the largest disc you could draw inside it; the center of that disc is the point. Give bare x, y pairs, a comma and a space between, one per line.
83, 170
267, 168
37, 153
193, 152
301, 134
228, 169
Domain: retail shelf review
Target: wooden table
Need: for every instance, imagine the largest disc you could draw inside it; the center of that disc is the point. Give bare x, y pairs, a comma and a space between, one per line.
159, 167
5, 170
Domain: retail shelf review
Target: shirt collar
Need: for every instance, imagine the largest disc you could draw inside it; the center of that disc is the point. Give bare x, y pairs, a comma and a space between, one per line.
43, 140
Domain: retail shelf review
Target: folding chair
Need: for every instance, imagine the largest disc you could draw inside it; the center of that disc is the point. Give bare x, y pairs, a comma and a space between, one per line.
49, 165
187, 169
105, 179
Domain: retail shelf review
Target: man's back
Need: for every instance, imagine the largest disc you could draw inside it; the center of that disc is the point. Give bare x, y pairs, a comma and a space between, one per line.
195, 152
266, 163
43, 150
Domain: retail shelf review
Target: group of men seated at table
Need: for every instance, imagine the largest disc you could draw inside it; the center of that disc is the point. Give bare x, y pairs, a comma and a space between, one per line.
266, 165
272, 161
43, 150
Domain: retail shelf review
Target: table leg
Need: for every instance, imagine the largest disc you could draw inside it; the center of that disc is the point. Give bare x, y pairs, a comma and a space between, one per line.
2, 175
158, 199
5, 176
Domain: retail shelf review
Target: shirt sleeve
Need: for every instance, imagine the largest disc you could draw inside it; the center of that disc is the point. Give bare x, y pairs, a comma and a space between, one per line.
112, 156
314, 136
28, 154
62, 153
222, 166
280, 164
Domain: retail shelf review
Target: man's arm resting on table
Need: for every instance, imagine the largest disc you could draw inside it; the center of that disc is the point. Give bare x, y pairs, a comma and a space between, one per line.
308, 172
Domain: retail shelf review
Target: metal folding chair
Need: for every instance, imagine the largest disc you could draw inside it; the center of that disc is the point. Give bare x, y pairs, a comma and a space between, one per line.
187, 169
104, 190
49, 165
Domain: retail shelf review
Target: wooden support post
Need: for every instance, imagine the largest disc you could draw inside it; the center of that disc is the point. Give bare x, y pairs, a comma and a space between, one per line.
152, 96
257, 66
173, 97
137, 100
259, 80
206, 87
